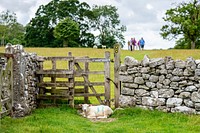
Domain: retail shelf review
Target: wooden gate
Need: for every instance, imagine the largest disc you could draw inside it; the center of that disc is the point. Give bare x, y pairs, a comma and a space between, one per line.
64, 84
6, 84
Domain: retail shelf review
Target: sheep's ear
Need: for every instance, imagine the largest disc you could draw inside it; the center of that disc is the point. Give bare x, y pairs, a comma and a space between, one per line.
90, 104
80, 105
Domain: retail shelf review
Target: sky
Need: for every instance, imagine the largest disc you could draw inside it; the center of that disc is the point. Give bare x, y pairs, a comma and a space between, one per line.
142, 18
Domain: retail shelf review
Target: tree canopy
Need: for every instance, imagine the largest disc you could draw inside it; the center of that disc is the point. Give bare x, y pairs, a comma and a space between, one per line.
183, 20
106, 21
10, 30
42, 31
68, 31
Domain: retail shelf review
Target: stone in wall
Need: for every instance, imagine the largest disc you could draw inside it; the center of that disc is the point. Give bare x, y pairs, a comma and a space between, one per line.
165, 93
130, 61
197, 72
191, 88
156, 62
143, 87
145, 70
150, 84
188, 103
190, 64
139, 80
170, 65
185, 95
195, 97
126, 101
133, 70
186, 72
197, 106
197, 62
180, 64
127, 91
178, 72
123, 68
153, 78
149, 101
145, 61
166, 82
126, 79
129, 85
145, 76
141, 92
183, 109
174, 102
154, 94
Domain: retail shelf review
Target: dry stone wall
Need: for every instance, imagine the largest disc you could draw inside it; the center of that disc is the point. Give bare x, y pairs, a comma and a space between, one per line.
161, 83
24, 80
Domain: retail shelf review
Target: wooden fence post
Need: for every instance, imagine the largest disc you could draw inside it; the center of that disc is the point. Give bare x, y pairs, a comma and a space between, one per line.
86, 89
107, 77
117, 49
53, 79
71, 80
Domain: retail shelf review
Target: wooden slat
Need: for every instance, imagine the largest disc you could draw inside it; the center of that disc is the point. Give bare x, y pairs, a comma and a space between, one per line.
56, 72
89, 95
80, 73
60, 58
57, 91
82, 83
58, 75
63, 58
91, 60
79, 90
49, 84
54, 97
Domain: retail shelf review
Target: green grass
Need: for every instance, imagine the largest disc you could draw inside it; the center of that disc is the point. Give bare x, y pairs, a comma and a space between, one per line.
66, 120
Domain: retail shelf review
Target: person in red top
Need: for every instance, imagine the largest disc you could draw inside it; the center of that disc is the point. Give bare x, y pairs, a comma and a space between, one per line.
133, 42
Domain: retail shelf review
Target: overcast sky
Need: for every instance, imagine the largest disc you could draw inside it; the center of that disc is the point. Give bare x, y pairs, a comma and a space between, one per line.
143, 18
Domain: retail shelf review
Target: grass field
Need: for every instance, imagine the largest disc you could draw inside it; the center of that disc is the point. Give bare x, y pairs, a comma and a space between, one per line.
66, 120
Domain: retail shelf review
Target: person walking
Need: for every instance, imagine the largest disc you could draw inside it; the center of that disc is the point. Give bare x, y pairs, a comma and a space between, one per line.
139, 48
142, 43
133, 41
129, 45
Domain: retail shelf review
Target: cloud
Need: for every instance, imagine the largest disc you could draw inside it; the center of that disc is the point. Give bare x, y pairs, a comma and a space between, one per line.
143, 18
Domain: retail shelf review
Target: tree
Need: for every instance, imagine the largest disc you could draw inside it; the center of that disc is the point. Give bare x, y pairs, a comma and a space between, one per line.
106, 21
68, 31
10, 30
183, 20
40, 29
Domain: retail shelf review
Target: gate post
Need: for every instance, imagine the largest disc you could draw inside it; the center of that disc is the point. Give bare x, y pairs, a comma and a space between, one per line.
107, 76
71, 80
117, 87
